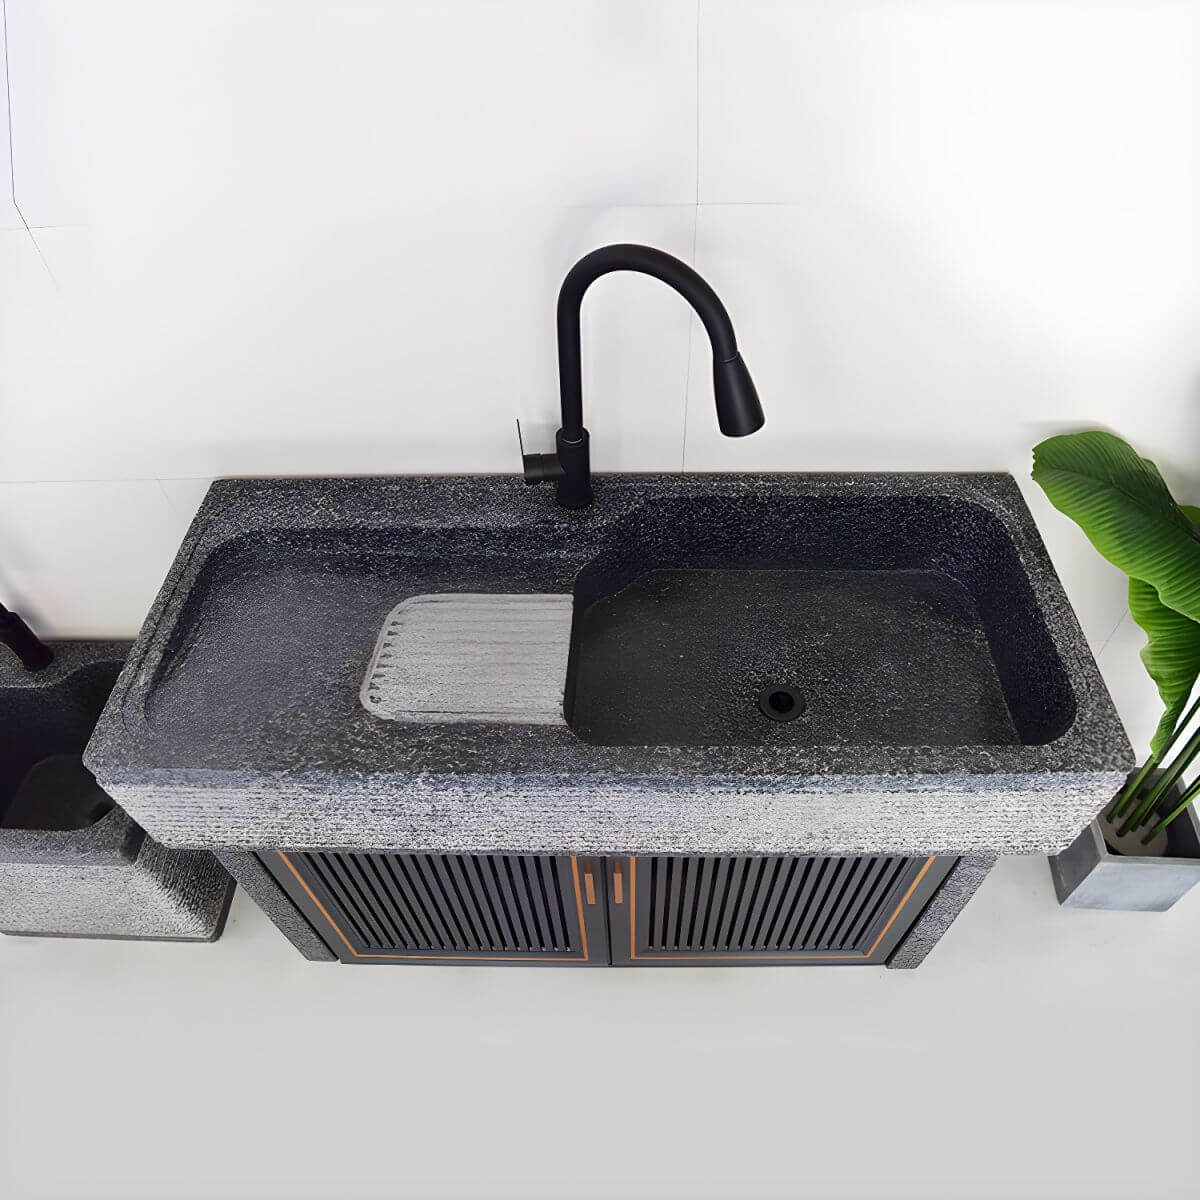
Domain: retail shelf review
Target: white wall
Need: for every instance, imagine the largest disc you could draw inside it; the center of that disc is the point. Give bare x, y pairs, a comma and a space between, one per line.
283, 237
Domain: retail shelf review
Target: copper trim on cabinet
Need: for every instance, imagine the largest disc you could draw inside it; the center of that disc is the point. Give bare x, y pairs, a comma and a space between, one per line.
287, 862
762, 956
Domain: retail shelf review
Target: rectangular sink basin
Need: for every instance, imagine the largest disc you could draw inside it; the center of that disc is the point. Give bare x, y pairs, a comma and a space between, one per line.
701, 656
806, 621
756, 663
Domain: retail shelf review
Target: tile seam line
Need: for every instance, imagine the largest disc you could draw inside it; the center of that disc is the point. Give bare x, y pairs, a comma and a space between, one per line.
12, 170
1113, 633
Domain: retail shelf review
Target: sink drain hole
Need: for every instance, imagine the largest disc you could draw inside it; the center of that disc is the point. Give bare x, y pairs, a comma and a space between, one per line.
780, 702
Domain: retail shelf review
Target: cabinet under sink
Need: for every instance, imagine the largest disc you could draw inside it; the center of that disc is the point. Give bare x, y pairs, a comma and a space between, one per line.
631, 910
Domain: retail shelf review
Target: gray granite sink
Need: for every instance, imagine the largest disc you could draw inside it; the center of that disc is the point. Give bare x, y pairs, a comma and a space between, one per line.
950, 703
71, 863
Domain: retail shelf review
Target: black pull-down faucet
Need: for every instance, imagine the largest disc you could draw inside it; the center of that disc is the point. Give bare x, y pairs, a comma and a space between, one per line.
738, 409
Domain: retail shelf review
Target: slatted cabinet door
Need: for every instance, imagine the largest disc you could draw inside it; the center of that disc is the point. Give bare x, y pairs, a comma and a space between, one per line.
381, 907
763, 910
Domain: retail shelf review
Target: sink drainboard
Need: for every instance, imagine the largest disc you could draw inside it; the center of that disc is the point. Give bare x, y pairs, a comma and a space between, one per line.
465, 656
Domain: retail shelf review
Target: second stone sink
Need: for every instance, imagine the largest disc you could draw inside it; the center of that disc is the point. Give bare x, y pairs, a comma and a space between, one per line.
746, 663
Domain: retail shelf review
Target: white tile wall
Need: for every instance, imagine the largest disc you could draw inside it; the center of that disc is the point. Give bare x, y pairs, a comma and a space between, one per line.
139, 112
80, 557
282, 237
370, 346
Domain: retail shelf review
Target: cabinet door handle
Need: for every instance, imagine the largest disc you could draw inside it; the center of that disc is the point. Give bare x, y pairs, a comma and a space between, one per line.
589, 885
618, 884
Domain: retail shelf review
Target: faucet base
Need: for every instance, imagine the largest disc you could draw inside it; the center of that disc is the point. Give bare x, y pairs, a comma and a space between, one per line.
575, 484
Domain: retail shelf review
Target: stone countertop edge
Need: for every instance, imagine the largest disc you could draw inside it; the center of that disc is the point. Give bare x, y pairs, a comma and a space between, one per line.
1059, 786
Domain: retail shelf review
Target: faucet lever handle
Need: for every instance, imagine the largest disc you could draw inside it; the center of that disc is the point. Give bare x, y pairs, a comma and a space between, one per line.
541, 467
538, 468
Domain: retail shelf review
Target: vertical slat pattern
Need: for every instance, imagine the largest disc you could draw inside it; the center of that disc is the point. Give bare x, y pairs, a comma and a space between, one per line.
892, 870
731, 902
687, 902
447, 903
741, 904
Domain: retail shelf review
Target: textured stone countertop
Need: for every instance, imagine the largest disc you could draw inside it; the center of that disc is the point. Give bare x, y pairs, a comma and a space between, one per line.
237, 721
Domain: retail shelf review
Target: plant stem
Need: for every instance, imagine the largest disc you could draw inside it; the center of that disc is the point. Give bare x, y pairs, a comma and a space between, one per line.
1163, 786
1188, 796
1132, 788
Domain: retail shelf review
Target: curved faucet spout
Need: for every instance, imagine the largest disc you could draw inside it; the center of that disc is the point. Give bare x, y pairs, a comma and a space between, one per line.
738, 409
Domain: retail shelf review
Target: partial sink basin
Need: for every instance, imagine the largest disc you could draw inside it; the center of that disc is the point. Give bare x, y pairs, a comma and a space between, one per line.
43, 782
710, 664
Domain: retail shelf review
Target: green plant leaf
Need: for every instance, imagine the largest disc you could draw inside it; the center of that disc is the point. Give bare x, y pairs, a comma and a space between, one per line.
1171, 656
1121, 503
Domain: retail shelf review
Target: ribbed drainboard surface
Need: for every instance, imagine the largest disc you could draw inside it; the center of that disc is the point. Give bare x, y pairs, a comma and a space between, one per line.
448, 657
766, 904
448, 902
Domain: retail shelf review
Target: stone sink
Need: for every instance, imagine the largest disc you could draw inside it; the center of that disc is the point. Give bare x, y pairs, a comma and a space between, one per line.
696, 664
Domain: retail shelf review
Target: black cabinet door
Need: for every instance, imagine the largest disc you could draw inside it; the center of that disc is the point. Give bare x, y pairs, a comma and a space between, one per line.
764, 910
384, 906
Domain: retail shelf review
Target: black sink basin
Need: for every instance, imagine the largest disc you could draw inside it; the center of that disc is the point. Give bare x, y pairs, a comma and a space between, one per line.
684, 657
805, 620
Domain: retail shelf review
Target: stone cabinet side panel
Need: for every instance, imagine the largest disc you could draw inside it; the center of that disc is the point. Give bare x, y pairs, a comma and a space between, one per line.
192, 890
939, 914
259, 885
130, 900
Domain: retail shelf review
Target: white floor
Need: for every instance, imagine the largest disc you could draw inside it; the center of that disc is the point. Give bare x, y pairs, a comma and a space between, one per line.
1040, 1052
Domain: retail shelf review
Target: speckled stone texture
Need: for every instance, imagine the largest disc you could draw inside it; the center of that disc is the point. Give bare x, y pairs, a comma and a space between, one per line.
236, 722
108, 879
939, 914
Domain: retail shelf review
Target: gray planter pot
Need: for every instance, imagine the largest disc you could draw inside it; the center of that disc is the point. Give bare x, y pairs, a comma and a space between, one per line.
1087, 874
77, 865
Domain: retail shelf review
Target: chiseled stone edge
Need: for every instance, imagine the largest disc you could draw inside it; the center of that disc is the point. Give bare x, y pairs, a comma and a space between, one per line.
607, 815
